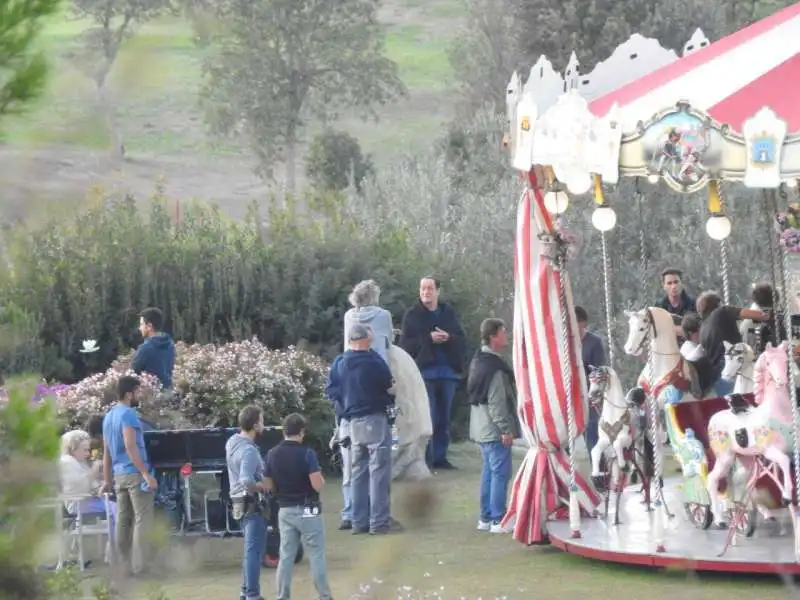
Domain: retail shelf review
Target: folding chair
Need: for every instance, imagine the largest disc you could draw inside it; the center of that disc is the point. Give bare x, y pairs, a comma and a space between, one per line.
74, 527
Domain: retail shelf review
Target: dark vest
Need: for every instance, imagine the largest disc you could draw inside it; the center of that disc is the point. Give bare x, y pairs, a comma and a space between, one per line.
482, 370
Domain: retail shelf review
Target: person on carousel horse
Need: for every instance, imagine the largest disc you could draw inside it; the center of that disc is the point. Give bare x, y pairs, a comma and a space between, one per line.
720, 324
756, 336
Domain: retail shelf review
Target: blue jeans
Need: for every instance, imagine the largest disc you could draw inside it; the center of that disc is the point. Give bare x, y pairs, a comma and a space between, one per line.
495, 475
296, 527
440, 397
371, 478
255, 541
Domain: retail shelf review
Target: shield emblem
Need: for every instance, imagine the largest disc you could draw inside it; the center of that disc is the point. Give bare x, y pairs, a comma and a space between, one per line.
763, 151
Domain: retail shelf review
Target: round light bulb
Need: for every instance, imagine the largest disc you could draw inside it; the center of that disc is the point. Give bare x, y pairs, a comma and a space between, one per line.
718, 227
791, 183
556, 203
653, 178
580, 183
604, 218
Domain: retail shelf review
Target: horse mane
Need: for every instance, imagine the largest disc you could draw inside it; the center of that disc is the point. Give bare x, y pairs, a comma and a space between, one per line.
663, 323
760, 377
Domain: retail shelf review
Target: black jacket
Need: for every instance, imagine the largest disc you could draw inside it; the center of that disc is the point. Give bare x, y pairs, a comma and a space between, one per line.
415, 336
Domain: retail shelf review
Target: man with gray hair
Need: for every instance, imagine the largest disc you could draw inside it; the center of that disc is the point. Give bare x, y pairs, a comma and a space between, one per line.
365, 311
358, 385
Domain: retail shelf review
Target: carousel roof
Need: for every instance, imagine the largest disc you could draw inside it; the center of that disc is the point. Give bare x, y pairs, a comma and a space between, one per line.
730, 79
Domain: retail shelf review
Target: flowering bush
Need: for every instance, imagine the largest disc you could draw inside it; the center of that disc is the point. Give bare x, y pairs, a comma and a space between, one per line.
788, 226
211, 384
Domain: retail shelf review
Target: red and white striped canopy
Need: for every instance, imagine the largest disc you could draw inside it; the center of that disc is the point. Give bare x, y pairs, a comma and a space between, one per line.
541, 485
730, 79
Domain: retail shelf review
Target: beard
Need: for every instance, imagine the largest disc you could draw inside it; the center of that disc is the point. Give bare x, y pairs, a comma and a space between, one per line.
135, 403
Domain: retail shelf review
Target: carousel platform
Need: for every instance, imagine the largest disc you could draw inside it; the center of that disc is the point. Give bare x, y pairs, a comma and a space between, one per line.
769, 550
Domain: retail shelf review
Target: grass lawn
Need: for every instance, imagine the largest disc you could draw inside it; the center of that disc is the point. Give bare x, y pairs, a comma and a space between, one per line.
445, 557
156, 78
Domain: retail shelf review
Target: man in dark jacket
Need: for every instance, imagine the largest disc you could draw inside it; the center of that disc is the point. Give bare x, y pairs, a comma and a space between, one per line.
434, 338
593, 355
360, 380
156, 355
493, 423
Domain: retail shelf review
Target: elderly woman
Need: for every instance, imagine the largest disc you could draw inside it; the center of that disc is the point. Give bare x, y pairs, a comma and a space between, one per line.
365, 298
78, 477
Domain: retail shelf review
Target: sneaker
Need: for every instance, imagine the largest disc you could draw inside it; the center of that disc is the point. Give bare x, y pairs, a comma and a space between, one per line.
345, 525
484, 525
497, 528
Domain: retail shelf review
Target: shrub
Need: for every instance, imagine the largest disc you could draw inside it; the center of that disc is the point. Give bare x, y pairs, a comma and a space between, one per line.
334, 159
211, 384
28, 449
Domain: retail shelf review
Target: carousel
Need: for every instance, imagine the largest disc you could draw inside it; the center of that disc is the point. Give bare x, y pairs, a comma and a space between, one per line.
720, 114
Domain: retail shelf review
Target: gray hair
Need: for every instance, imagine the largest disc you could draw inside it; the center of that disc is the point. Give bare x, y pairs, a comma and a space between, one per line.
359, 332
365, 293
72, 440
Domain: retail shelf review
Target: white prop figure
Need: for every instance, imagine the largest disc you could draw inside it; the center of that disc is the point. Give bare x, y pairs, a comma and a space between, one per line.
740, 361
414, 427
614, 427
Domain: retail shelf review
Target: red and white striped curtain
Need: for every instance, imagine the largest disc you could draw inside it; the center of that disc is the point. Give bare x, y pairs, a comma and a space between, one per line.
541, 487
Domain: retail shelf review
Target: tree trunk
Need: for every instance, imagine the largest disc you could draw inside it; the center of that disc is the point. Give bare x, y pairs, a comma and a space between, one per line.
117, 148
291, 165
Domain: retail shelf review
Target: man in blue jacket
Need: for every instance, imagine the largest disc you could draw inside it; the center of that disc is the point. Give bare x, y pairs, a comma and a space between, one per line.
156, 355
433, 336
360, 381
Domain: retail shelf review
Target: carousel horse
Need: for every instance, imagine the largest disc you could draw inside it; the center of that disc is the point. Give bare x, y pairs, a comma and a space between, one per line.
667, 366
739, 363
748, 432
413, 423
614, 428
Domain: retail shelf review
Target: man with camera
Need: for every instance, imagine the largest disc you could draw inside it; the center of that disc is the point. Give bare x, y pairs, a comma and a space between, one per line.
247, 489
293, 475
361, 382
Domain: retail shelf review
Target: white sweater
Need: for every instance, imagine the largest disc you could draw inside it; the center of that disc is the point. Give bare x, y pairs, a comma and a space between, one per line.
76, 480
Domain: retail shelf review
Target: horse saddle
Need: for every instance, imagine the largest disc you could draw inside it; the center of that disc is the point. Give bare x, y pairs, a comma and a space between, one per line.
737, 403
741, 437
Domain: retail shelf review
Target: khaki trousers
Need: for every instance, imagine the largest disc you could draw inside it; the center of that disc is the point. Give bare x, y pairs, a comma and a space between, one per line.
134, 521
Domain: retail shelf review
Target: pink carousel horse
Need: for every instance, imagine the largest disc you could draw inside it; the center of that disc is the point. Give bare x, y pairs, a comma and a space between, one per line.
764, 430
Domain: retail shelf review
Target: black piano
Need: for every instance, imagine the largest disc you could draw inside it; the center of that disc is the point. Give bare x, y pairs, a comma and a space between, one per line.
193, 484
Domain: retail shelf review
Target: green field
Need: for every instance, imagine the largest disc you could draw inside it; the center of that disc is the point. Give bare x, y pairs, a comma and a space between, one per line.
154, 86
445, 558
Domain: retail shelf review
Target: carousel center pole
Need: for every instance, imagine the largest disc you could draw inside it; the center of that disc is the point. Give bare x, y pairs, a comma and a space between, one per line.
793, 383
652, 401
574, 508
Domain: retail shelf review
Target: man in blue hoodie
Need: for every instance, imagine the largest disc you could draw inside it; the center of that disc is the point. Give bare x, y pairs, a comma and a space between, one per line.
359, 382
157, 354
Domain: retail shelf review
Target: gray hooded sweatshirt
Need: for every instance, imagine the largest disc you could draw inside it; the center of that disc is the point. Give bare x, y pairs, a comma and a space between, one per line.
379, 320
244, 464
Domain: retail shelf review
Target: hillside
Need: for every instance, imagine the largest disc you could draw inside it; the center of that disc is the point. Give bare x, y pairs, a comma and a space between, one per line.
55, 151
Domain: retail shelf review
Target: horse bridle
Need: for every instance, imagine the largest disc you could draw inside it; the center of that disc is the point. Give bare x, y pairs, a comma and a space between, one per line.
735, 354
651, 323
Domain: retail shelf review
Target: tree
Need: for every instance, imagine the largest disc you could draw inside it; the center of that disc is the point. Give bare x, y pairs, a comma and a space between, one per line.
114, 21
22, 71
485, 54
276, 65
334, 158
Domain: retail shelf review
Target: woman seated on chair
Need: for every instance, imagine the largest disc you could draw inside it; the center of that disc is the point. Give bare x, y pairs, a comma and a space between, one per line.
720, 324
78, 477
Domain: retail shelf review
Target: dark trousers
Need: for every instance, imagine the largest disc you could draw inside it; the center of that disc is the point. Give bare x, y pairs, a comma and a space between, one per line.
440, 397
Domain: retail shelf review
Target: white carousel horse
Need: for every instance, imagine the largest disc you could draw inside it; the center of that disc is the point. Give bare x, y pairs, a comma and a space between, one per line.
414, 427
739, 364
765, 430
614, 427
667, 366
